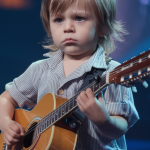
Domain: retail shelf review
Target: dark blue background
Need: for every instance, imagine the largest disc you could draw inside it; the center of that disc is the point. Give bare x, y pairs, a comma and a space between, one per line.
22, 36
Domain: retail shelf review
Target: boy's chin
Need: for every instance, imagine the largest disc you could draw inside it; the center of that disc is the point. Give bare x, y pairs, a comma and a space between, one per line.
72, 51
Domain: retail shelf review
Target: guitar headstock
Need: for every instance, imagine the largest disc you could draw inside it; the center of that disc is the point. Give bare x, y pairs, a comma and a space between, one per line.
132, 71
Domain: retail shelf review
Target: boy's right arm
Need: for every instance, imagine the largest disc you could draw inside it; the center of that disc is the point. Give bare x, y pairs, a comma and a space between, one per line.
12, 131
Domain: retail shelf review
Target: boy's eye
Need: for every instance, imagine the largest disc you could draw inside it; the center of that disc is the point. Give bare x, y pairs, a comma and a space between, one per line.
58, 20
79, 18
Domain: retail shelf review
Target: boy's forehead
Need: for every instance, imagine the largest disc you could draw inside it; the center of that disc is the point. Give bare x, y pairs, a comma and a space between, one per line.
79, 7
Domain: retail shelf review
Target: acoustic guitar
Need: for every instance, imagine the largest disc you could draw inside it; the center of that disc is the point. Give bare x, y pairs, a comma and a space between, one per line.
48, 125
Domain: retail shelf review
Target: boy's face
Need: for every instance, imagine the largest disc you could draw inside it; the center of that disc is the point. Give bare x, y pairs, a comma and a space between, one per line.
77, 24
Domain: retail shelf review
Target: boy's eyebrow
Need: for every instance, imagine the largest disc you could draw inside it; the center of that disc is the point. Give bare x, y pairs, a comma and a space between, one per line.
75, 13
80, 13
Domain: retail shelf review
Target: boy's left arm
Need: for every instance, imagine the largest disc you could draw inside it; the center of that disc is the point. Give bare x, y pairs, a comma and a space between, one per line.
110, 126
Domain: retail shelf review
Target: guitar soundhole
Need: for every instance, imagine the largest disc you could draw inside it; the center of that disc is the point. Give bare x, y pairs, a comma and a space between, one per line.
30, 135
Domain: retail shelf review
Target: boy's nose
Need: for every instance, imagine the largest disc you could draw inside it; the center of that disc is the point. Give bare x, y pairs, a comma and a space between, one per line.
69, 26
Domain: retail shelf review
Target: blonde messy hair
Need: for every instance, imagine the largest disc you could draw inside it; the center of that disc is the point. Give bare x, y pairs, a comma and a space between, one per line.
105, 10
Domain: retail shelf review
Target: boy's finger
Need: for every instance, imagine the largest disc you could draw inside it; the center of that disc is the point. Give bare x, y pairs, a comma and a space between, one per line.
99, 95
21, 130
17, 128
100, 98
14, 134
10, 140
14, 127
90, 93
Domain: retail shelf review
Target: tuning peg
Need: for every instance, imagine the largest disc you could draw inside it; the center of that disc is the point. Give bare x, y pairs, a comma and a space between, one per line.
145, 84
134, 89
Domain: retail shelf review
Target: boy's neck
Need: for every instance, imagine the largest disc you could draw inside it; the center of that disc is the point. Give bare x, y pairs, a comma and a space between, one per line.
70, 63
76, 58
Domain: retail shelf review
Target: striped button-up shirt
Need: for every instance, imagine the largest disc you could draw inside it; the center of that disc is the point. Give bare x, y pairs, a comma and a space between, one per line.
47, 76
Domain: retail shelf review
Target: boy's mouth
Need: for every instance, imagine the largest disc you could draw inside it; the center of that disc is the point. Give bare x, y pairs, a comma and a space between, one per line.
69, 40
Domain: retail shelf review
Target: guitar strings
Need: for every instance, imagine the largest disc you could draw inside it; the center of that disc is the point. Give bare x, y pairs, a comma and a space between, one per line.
48, 116
70, 100
57, 109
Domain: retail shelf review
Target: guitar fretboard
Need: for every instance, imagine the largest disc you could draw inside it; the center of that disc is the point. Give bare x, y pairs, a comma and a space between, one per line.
67, 107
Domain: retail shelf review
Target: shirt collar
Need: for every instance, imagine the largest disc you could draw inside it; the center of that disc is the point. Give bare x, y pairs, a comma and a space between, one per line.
97, 60
56, 58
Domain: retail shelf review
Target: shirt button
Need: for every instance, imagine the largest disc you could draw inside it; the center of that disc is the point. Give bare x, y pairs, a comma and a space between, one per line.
61, 92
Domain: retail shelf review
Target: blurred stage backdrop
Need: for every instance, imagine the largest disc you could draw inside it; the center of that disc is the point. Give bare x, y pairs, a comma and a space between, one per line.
22, 36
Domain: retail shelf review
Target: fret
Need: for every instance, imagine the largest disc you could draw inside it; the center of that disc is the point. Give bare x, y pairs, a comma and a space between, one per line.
92, 88
74, 102
59, 113
55, 116
63, 111
103, 81
70, 104
145, 58
39, 129
123, 68
48, 120
45, 124
48, 123
67, 107
135, 63
99, 85
96, 87
52, 118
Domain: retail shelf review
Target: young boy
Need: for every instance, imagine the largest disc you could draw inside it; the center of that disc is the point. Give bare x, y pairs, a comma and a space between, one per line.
82, 33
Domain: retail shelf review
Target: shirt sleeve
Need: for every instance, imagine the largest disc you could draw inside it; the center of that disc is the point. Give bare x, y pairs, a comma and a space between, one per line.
23, 89
119, 101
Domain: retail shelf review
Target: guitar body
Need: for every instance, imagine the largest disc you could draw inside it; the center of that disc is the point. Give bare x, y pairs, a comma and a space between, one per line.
51, 138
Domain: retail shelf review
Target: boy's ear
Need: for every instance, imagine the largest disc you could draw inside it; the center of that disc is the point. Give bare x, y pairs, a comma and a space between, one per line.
101, 34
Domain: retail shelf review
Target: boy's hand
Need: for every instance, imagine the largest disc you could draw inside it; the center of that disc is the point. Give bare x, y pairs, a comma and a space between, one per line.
12, 133
94, 109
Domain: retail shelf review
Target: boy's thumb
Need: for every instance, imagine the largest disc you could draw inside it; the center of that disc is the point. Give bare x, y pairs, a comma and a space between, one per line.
21, 130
